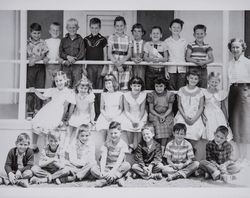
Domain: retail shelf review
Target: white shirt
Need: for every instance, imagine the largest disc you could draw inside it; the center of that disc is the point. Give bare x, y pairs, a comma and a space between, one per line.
53, 45
176, 50
239, 70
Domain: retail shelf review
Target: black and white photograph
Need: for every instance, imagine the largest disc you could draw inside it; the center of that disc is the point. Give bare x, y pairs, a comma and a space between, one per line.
148, 96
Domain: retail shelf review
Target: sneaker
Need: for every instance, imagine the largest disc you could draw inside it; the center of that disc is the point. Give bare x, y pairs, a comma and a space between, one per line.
174, 176
1, 181
57, 181
121, 182
225, 178
198, 173
6, 181
34, 180
134, 176
22, 183
207, 176
101, 183
156, 176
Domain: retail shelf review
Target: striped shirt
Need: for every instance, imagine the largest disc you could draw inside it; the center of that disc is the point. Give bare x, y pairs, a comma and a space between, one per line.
179, 153
199, 52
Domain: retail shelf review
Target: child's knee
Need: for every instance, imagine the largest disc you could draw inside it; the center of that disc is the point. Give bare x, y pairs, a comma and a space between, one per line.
27, 174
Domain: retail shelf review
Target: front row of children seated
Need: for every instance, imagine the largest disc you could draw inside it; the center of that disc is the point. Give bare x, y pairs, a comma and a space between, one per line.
78, 162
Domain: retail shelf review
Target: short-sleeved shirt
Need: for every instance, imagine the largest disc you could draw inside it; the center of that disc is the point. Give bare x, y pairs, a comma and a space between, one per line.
53, 46
176, 50
113, 151
36, 48
94, 46
155, 50
219, 155
199, 52
48, 153
179, 153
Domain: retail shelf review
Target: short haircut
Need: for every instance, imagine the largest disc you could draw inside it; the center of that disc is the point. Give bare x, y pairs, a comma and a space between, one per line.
179, 21
200, 27
112, 78
23, 137
138, 26
193, 72
212, 74
72, 21
84, 81
35, 27
241, 41
161, 80
136, 80
119, 18
95, 21
222, 129
156, 27
54, 134
115, 125
82, 129
56, 24
149, 127
180, 126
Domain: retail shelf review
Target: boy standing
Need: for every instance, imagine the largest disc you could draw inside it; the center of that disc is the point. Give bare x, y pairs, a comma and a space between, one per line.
112, 165
179, 154
19, 162
176, 48
155, 51
36, 51
53, 44
71, 50
51, 163
148, 156
200, 53
218, 161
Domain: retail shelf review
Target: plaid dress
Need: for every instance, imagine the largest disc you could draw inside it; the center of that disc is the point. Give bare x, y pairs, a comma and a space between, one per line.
120, 46
161, 103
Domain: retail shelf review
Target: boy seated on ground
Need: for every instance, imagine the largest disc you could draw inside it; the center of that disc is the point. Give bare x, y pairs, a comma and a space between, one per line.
218, 161
112, 164
179, 155
148, 156
19, 161
51, 163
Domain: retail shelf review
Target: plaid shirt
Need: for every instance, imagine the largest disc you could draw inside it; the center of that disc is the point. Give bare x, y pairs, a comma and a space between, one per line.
179, 153
219, 155
36, 48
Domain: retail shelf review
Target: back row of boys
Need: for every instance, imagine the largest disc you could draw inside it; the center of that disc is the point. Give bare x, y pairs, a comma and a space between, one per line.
73, 47
78, 161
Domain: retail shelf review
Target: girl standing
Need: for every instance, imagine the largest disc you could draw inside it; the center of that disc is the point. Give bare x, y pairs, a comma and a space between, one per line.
84, 110
111, 104
135, 115
215, 113
190, 107
119, 51
160, 111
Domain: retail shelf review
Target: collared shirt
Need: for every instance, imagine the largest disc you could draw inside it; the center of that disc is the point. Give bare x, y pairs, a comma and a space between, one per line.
199, 52
176, 50
53, 46
47, 153
94, 46
137, 48
36, 48
219, 155
113, 151
19, 159
69, 47
239, 70
179, 153
145, 155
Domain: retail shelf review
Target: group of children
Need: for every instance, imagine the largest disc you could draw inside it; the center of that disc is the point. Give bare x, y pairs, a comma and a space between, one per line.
155, 130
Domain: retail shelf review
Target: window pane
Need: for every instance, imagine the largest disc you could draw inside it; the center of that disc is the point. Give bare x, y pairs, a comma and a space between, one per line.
9, 78
8, 105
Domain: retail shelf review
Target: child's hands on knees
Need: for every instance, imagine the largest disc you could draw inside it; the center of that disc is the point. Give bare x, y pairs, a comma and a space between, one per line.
18, 174
12, 178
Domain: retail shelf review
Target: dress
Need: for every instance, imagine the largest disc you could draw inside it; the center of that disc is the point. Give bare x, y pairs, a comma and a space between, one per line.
134, 105
50, 116
190, 100
111, 105
161, 103
214, 114
81, 114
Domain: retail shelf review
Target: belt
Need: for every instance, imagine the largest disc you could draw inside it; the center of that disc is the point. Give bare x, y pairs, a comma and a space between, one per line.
156, 69
119, 53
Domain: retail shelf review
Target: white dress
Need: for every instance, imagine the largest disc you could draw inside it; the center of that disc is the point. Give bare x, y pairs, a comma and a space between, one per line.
111, 106
81, 114
50, 115
190, 100
214, 114
134, 110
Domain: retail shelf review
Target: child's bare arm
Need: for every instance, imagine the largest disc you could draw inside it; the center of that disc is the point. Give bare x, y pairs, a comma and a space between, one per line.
119, 161
38, 94
200, 110
103, 159
210, 58
224, 109
92, 112
170, 107
152, 111
180, 108
188, 56
142, 109
126, 110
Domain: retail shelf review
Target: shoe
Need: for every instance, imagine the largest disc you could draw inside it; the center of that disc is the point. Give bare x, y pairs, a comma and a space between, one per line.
134, 176
57, 181
101, 183
1, 181
174, 176
6, 181
121, 182
156, 176
207, 176
225, 178
34, 180
22, 183
198, 173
